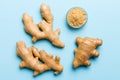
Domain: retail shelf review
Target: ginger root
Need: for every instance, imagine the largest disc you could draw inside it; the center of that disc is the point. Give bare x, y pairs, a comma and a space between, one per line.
86, 49
31, 57
44, 29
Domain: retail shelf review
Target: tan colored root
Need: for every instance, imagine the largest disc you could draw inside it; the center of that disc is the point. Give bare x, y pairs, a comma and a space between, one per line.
44, 29
86, 49
31, 57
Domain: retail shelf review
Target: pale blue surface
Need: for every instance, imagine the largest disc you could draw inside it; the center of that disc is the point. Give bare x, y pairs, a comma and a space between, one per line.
103, 22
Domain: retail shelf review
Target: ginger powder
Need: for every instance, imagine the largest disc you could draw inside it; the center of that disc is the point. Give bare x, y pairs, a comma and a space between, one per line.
76, 17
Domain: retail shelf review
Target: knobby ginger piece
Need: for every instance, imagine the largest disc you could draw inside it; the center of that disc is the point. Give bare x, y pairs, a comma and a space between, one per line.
31, 58
86, 49
43, 30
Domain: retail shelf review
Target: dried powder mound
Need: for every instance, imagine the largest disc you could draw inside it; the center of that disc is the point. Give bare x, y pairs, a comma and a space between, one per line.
76, 17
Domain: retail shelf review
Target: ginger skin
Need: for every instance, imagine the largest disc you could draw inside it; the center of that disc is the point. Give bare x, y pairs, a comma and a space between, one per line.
43, 30
31, 57
86, 49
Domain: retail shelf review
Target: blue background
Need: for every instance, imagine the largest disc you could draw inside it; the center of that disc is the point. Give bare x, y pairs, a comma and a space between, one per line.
103, 22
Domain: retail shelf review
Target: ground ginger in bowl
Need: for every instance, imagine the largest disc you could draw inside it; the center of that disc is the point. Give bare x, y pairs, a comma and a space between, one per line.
76, 17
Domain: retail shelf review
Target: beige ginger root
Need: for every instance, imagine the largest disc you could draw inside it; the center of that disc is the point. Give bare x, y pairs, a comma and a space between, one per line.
86, 49
43, 30
31, 57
